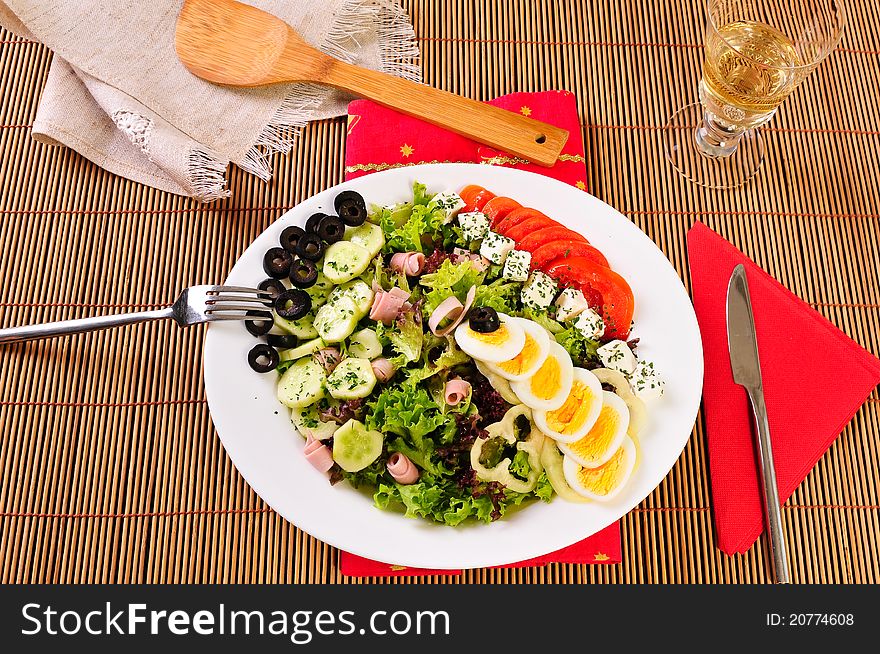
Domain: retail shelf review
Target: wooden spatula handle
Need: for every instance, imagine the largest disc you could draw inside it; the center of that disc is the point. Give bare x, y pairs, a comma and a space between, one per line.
506, 131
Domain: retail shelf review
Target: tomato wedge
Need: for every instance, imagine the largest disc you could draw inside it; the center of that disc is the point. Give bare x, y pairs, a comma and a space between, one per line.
526, 227
536, 239
518, 216
475, 197
498, 207
563, 249
604, 289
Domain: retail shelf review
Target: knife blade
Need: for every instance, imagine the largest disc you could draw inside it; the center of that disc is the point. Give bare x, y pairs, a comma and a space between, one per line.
745, 363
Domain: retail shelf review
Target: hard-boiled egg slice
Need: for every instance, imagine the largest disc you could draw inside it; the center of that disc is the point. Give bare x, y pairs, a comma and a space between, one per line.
548, 388
605, 482
605, 436
574, 419
530, 358
502, 344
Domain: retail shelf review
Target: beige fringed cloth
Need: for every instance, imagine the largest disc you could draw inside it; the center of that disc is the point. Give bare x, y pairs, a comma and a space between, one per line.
117, 93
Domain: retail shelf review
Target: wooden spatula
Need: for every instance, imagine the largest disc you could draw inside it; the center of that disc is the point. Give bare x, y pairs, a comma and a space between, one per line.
232, 43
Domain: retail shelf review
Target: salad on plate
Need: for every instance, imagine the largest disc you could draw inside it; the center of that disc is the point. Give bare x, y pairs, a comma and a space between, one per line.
456, 354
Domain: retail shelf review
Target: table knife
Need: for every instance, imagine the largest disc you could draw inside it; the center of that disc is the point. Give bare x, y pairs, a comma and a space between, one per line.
743, 345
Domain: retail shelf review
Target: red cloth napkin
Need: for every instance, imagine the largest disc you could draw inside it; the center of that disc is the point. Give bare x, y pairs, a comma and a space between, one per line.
380, 138
815, 379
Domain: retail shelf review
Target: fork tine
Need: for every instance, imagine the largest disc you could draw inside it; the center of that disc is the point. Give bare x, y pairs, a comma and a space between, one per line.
227, 316
214, 308
237, 289
257, 301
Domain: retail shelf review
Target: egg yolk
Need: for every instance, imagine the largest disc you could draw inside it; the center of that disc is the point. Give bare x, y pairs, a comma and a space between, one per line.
605, 478
524, 360
545, 382
499, 336
571, 415
595, 444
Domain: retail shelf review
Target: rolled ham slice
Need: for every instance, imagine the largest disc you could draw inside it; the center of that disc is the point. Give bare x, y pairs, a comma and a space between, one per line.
327, 358
450, 308
402, 469
409, 263
382, 368
387, 304
455, 391
318, 454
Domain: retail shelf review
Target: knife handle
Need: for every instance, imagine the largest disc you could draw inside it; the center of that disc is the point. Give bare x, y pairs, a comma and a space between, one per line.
771, 491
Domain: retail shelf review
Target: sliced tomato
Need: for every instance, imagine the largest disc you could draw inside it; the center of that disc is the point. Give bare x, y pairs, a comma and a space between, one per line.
605, 290
526, 227
536, 239
475, 197
498, 207
518, 216
563, 249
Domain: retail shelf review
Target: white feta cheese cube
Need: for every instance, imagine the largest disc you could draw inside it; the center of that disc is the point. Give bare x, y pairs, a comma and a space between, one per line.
495, 247
618, 356
646, 383
539, 291
474, 225
449, 202
570, 303
516, 266
590, 324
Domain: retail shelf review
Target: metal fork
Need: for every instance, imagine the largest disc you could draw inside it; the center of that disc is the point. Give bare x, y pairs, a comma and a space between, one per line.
196, 304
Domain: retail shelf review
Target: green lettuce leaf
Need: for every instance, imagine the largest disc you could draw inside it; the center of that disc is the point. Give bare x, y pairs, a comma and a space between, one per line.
581, 349
450, 279
502, 295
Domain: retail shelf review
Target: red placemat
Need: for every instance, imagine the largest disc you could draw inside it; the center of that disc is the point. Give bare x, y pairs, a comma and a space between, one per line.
380, 138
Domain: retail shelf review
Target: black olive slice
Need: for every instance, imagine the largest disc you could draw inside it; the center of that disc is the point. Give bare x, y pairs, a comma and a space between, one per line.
262, 323
310, 247
350, 197
276, 262
313, 222
331, 229
263, 358
272, 286
281, 341
293, 304
290, 236
484, 320
352, 213
303, 273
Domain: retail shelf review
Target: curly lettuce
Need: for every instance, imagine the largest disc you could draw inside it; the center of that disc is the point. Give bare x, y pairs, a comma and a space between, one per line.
450, 279
581, 349
415, 226
502, 295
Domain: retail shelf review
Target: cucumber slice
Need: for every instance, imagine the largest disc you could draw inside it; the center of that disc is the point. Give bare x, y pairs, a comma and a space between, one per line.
336, 320
369, 236
302, 384
359, 292
308, 422
355, 447
344, 261
352, 378
320, 290
301, 350
302, 328
365, 344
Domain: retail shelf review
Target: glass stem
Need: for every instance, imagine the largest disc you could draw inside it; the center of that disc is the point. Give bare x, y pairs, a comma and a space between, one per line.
715, 139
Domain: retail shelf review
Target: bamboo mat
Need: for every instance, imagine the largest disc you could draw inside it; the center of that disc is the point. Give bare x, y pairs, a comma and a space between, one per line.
110, 470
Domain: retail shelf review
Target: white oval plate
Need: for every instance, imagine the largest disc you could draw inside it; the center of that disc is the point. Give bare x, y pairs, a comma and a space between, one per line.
257, 434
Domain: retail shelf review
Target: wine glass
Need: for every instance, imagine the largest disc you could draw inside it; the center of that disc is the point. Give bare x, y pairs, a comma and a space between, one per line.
756, 53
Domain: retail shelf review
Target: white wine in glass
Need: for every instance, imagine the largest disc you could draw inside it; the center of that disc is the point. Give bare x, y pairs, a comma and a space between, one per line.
757, 52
